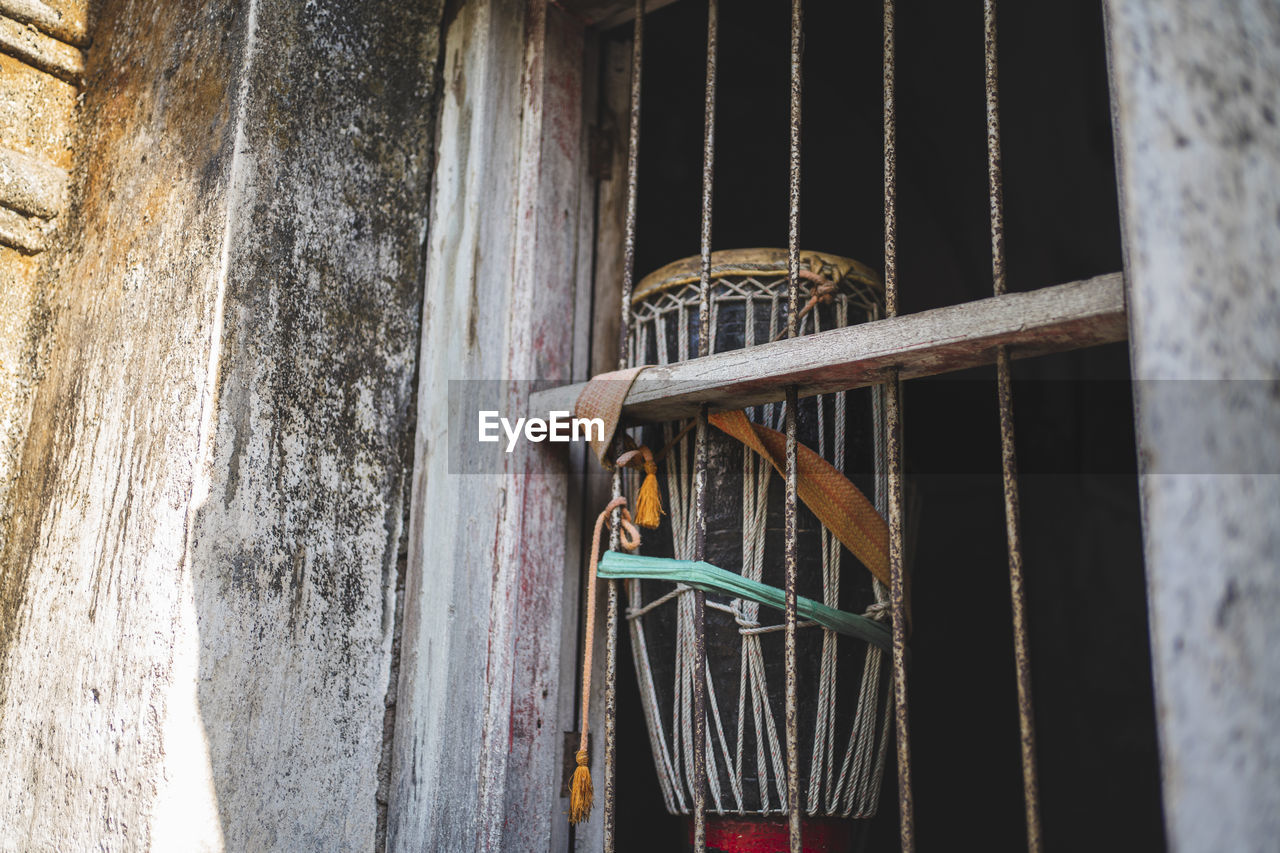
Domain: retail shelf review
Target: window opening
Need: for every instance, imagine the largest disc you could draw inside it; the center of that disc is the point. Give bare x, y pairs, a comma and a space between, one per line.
1074, 422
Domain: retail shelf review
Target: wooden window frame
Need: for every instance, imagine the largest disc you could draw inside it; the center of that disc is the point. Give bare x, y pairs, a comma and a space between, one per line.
523, 116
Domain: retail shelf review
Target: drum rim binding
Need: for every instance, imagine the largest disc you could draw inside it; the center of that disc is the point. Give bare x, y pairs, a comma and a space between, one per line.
759, 262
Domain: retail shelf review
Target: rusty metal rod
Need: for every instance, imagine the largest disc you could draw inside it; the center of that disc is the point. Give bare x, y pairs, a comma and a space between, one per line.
792, 553
700, 685
893, 425
708, 172
699, 770
897, 604
792, 562
633, 170
1008, 458
793, 193
624, 341
610, 684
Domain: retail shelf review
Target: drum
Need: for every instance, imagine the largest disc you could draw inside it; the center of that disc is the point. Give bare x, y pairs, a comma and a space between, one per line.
843, 682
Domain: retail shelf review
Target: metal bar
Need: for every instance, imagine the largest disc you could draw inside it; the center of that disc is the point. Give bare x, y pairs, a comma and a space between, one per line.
791, 605
610, 683
1009, 470
624, 342
792, 396
633, 169
793, 212
893, 423
699, 771
708, 172
1051, 319
700, 459
897, 603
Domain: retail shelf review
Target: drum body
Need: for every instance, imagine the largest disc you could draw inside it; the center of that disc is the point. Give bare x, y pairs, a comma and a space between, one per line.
843, 682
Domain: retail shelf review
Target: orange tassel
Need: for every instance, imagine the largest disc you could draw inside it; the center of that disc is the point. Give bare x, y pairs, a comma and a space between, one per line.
649, 500
581, 794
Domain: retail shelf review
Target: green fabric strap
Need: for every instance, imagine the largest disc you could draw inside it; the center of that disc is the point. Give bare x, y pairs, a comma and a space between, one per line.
708, 578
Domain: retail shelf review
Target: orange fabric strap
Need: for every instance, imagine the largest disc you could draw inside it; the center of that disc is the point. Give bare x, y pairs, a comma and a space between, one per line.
603, 398
837, 502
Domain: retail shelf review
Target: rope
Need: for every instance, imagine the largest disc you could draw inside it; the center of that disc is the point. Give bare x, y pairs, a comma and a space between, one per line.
581, 794
823, 292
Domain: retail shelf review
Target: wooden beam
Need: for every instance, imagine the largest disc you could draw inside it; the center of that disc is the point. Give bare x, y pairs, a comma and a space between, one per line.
478, 734
1052, 319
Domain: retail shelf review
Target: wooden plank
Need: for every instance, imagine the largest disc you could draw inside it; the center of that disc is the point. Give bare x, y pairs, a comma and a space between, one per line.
443, 787
478, 731
1051, 319
529, 578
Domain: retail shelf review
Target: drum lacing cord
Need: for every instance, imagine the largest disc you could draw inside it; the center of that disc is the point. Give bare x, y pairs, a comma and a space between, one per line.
859, 773
879, 610
823, 292
581, 794
856, 781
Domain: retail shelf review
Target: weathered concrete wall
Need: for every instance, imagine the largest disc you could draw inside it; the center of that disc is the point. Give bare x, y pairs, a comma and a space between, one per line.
99, 630
1197, 95
197, 588
295, 547
37, 122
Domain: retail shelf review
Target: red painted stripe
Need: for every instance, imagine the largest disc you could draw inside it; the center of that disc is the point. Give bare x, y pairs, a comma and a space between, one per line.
762, 835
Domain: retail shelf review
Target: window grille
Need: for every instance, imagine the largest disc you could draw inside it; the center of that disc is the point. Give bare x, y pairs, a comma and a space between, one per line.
883, 352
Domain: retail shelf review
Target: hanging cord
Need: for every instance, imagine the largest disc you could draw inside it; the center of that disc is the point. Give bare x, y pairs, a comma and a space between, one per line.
581, 793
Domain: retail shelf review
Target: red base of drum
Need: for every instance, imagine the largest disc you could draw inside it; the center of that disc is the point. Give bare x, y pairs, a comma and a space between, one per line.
767, 835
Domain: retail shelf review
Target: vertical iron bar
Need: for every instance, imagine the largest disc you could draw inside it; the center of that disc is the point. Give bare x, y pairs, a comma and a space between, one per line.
893, 425
699, 769
700, 460
995, 184
792, 555
624, 341
708, 171
1009, 470
611, 678
792, 561
633, 169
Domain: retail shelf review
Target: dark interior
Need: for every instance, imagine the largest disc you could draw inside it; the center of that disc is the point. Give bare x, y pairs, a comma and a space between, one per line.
1099, 774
